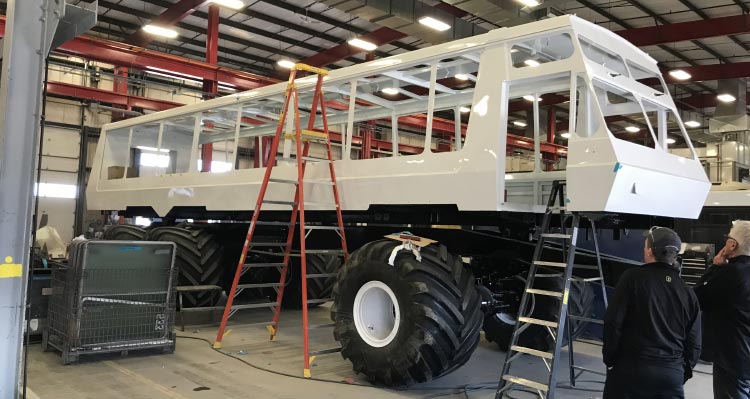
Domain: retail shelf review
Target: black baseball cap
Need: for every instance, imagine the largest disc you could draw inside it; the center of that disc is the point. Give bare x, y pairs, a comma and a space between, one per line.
663, 238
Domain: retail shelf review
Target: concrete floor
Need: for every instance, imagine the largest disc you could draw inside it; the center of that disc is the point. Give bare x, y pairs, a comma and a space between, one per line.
195, 370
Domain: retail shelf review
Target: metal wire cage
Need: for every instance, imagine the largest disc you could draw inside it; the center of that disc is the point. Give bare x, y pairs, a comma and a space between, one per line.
114, 296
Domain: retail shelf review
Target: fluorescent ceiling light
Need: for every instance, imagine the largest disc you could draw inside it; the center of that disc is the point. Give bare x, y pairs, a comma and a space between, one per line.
363, 44
159, 31
529, 97
679, 74
461, 76
464, 109
692, 123
531, 63
391, 91
633, 129
233, 4
285, 64
529, 3
434, 24
726, 98
519, 123
671, 140
185, 79
565, 135
174, 73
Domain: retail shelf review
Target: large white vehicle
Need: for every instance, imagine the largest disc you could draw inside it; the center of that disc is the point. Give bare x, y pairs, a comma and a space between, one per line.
463, 133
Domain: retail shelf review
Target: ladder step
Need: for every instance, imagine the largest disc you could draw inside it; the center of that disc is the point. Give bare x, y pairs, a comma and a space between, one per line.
556, 235
586, 319
525, 382
321, 275
268, 244
532, 352
336, 228
264, 285
553, 264
539, 322
261, 265
585, 280
544, 292
254, 305
325, 351
294, 182
306, 159
321, 300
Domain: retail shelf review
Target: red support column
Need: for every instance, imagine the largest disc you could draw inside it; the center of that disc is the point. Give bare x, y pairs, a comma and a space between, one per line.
210, 87
120, 86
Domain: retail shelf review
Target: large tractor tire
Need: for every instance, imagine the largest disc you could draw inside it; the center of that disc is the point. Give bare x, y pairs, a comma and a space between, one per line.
198, 260
406, 323
498, 328
125, 232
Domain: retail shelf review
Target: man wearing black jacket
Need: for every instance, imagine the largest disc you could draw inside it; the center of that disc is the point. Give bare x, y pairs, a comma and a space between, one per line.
724, 295
652, 326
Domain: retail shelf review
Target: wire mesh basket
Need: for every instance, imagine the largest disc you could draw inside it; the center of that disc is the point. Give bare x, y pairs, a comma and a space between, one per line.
114, 296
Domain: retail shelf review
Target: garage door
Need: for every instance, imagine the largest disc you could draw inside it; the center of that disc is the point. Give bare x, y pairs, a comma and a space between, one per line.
59, 176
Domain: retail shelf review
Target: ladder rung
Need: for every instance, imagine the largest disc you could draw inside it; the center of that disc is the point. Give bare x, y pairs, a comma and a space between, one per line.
553, 264
268, 244
320, 275
325, 351
261, 265
282, 224
586, 280
306, 159
544, 292
532, 352
586, 267
555, 235
321, 300
264, 285
321, 227
539, 322
525, 382
586, 319
254, 305
290, 181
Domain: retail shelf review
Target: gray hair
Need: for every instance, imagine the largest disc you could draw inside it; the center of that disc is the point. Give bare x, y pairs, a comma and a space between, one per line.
741, 233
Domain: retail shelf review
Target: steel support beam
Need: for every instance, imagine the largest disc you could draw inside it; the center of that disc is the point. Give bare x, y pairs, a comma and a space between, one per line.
173, 14
31, 25
703, 73
684, 31
377, 37
210, 87
75, 92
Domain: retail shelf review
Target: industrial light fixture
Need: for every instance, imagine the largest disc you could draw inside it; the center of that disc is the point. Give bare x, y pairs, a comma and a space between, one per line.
233, 4
692, 123
519, 123
284, 63
160, 31
565, 135
461, 76
680, 74
363, 44
726, 98
633, 129
530, 3
464, 110
671, 140
391, 91
531, 63
434, 24
529, 97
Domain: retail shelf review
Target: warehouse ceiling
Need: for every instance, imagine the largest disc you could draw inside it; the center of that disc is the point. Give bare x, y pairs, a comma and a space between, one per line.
254, 38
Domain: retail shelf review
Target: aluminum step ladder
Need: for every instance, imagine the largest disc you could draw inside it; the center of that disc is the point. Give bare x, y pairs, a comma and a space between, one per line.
283, 250
567, 236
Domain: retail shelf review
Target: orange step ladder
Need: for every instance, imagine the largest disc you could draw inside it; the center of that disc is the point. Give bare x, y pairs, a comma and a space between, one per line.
302, 139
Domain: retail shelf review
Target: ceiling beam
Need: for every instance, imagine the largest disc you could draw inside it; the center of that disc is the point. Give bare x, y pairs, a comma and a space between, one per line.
66, 90
703, 15
705, 100
173, 14
377, 37
703, 73
683, 31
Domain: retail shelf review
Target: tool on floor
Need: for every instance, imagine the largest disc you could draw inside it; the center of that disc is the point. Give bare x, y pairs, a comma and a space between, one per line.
302, 138
569, 225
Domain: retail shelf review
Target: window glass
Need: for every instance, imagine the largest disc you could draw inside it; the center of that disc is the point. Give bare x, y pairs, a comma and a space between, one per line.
145, 144
605, 58
177, 143
541, 50
646, 77
116, 150
217, 131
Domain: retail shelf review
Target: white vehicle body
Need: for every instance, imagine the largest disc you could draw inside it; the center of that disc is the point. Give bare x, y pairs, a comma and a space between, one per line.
603, 172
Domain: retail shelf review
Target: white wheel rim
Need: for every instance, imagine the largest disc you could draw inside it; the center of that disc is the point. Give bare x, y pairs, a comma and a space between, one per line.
376, 314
